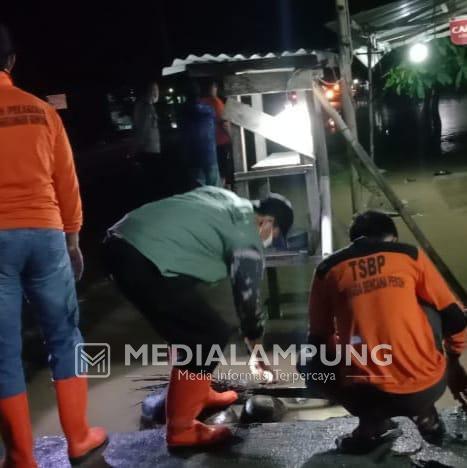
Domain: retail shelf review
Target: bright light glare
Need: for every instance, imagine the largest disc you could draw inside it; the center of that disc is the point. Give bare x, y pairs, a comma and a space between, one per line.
171, 90
294, 123
418, 53
356, 81
329, 94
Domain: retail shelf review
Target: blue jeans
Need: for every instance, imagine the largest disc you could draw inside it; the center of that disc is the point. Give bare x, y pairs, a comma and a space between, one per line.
34, 263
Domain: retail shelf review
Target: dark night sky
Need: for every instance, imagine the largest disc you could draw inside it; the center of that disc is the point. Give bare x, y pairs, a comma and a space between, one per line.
82, 43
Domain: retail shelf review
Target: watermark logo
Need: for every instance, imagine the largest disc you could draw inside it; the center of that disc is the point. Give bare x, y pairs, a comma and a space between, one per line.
92, 360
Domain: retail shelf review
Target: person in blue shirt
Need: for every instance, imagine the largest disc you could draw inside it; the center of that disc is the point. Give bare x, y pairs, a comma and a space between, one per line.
198, 138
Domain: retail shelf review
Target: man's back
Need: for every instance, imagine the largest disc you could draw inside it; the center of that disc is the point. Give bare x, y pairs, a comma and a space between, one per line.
38, 185
192, 234
198, 133
373, 291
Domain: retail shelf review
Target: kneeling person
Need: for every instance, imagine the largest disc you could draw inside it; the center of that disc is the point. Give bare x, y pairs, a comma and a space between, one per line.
376, 292
193, 264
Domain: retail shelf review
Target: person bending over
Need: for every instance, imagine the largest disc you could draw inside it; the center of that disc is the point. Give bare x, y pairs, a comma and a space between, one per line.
193, 264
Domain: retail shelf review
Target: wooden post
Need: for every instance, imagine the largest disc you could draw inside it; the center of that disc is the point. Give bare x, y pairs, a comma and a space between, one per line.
274, 301
261, 153
322, 163
371, 110
260, 141
345, 66
360, 156
237, 137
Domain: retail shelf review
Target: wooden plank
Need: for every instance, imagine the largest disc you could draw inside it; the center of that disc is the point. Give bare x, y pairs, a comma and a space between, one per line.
238, 146
360, 156
270, 82
314, 209
274, 172
285, 259
260, 141
275, 63
267, 126
322, 163
237, 138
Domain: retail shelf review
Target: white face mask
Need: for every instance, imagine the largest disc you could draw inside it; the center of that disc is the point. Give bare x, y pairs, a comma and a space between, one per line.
268, 242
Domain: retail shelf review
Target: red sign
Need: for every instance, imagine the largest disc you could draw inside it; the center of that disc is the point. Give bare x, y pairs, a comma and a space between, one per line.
458, 28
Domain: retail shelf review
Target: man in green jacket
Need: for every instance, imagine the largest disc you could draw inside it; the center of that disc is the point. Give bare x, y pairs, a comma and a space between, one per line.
193, 265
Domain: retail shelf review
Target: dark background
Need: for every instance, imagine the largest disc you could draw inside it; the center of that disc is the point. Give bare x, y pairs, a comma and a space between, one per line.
103, 43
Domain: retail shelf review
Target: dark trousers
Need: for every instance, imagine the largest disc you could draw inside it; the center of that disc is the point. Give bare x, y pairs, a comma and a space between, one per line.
368, 402
182, 309
225, 163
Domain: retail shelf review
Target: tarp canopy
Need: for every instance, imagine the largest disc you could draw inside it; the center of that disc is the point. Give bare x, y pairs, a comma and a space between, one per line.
400, 23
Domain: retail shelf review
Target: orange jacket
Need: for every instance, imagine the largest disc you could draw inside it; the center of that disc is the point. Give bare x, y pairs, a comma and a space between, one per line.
369, 294
38, 183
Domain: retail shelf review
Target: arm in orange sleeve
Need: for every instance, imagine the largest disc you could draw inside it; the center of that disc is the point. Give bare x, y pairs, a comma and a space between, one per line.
321, 315
66, 181
219, 109
432, 288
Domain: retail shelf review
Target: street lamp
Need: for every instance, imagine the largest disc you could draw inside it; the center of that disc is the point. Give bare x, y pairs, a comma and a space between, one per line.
418, 53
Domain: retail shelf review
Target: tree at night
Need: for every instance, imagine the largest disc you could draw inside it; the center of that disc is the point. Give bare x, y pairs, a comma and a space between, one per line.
445, 68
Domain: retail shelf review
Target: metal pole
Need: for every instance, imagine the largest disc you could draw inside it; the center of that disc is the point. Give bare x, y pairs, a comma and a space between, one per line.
371, 111
345, 66
361, 157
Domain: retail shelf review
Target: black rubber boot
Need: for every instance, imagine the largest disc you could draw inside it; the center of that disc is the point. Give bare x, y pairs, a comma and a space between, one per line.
368, 436
431, 426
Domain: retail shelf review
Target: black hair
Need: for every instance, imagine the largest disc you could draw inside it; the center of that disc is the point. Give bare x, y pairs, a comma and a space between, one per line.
6, 46
279, 208
372, 224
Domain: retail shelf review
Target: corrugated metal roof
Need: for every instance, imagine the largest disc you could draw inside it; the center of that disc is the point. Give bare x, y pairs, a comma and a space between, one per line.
404, 22
180, 65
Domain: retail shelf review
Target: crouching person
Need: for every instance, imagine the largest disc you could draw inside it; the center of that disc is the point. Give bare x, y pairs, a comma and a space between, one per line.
382, 313
193, 264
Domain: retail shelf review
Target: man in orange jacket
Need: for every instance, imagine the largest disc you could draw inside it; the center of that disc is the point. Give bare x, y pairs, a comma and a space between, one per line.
386, 310
40, 220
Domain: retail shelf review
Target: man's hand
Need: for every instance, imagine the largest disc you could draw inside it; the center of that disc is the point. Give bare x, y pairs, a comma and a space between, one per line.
457, 380
262, 370
76, 257
258, 367
77, 262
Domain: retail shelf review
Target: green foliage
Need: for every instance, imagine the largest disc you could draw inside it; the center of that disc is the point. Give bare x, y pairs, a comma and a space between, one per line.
446, 67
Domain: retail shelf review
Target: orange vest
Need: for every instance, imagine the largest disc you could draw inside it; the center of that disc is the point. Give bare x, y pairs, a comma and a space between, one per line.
369, 294
38, 183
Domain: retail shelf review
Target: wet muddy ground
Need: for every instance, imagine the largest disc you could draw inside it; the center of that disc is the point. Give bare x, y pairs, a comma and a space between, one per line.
111, 185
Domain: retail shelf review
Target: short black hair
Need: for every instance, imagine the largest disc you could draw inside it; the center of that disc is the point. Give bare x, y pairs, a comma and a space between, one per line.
372, 224
6, 46
279, 208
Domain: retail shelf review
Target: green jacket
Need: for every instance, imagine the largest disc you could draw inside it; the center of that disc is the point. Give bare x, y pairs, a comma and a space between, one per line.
209, 234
